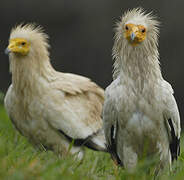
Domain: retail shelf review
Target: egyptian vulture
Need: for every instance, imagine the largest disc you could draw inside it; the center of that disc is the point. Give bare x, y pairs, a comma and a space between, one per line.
52, 109
140, 112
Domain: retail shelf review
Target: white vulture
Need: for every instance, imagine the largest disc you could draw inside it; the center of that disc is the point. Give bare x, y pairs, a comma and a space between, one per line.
140, 112
52, 109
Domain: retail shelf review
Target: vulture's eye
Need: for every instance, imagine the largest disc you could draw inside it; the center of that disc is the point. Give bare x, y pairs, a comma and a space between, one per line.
126, 27
143, 30
23, 43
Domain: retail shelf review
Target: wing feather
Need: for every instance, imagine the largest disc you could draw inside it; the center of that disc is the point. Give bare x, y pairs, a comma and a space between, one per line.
110, 123
172, 117
79, 110
174, 143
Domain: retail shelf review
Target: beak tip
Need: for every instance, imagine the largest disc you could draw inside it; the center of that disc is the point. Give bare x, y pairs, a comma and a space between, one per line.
7, 51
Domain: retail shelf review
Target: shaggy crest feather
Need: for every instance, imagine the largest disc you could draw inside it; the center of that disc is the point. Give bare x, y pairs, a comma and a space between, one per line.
145, 49
32, 32
38, 57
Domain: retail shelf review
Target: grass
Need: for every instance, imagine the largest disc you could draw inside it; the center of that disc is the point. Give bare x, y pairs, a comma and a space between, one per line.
20, 161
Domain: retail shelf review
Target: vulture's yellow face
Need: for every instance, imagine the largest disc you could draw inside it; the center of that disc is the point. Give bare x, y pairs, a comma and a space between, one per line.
19, 46
135, 34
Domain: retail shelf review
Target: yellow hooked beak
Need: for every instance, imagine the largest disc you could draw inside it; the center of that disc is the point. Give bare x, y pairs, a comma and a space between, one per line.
19, 46
135, 34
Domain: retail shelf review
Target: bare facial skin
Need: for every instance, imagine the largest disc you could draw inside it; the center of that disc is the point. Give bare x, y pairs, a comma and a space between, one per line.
135, 34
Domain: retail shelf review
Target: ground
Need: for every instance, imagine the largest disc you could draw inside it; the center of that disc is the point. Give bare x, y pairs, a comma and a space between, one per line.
19, 160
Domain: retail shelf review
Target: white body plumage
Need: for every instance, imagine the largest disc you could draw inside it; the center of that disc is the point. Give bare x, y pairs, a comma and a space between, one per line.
49, 107
140, 111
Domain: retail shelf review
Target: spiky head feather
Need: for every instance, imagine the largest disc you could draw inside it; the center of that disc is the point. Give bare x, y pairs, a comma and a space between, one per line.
34, 34
36, 62
123, 51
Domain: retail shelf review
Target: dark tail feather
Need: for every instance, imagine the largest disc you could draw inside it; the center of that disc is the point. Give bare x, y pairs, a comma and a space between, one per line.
96, 141
113, 150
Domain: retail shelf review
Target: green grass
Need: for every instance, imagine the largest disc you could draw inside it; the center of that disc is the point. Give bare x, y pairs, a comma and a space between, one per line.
20, 161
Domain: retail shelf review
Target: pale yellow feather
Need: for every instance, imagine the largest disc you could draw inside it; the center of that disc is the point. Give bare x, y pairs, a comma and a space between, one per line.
42, 101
